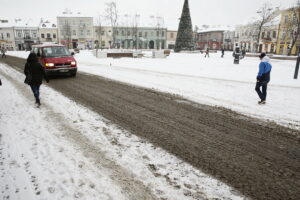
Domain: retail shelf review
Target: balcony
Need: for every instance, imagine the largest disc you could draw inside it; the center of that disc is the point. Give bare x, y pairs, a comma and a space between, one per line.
266, 39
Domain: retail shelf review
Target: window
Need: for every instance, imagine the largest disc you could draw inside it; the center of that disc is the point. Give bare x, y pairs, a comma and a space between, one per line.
286, 19
263, 35
268, 34
102, 32
88, 32
123, 33
44, 25
146, 34
163, 34
48, 35
34, 33
140, 34
19, 33
54, 35
42, 35
2, 37
35, 50
56, 51
8, 35
274, 34
74, 32
128, 33
81, 32
283, 35
172, 35
157, 33
27, 34
117, 32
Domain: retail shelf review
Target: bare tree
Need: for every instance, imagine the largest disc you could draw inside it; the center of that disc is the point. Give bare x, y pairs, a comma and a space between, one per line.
160, 22
265, 15
135, 29
99, 31
292, 25
112, 15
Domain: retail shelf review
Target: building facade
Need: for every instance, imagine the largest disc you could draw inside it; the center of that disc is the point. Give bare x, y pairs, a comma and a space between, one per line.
141, 37
75, 30
285, 39
131, 37
48, 32
7, 36
171, 39
210, 39
19, 34
228, 40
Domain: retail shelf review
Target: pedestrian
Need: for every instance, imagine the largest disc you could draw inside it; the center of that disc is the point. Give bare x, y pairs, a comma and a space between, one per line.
34, 73
243, 53
207, 52
3, 51
0, 82
263, 77
223, 51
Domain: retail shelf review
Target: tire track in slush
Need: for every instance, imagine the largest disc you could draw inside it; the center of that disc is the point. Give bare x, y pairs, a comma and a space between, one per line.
260, 159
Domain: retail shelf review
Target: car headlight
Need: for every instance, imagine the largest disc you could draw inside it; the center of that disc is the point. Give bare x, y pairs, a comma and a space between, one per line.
49, 64
73, 63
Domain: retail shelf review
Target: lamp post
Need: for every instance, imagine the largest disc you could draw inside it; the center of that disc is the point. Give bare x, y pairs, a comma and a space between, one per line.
297, 64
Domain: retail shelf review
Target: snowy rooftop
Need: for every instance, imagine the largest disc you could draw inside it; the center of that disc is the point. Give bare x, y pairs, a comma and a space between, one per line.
69, 13
18, 22
207, 28
127, 20
47, 24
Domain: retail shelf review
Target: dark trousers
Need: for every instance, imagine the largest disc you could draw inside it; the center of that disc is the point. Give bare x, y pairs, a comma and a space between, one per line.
262, 93
3, 55
36, 92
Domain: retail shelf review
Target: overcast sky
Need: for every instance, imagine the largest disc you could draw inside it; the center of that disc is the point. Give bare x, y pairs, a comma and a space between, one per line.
212, 12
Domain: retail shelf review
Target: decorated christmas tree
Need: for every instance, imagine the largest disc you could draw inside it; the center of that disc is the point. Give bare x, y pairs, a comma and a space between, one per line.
184, 40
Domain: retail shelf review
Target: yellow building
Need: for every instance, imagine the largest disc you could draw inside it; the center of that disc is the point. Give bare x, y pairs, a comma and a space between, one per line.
284, 41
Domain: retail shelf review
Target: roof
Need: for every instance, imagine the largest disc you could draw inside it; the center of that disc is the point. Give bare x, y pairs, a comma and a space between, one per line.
274, 22
127, 20
69, 13
47, 25
18, 22
215, 28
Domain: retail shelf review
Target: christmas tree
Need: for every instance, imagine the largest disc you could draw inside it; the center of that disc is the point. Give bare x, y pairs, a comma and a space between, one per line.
184, 40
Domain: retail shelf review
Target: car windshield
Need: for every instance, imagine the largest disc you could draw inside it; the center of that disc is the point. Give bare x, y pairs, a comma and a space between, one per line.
56, 52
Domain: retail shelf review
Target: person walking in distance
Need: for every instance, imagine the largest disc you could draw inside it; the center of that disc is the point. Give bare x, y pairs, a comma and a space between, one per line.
207, 52
34, 73
223, 51
3, 51
263, 77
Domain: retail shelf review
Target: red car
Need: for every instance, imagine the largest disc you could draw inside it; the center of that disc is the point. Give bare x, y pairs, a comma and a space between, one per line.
56, 59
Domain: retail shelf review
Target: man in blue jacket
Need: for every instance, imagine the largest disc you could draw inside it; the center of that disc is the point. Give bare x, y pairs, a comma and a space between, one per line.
263, 77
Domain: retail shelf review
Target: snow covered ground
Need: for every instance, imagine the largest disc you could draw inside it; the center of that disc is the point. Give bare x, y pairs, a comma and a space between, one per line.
65, 151
214, 81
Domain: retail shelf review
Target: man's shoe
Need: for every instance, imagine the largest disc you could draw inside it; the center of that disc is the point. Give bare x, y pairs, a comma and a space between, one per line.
261, 102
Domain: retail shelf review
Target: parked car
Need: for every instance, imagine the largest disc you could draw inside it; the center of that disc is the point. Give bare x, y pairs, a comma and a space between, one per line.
56, 59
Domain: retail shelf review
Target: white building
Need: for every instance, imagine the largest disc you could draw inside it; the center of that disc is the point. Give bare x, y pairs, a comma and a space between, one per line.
48, 32
18, 34
75, 30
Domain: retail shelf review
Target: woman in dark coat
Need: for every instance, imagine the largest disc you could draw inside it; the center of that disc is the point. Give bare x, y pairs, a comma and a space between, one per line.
34, 73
